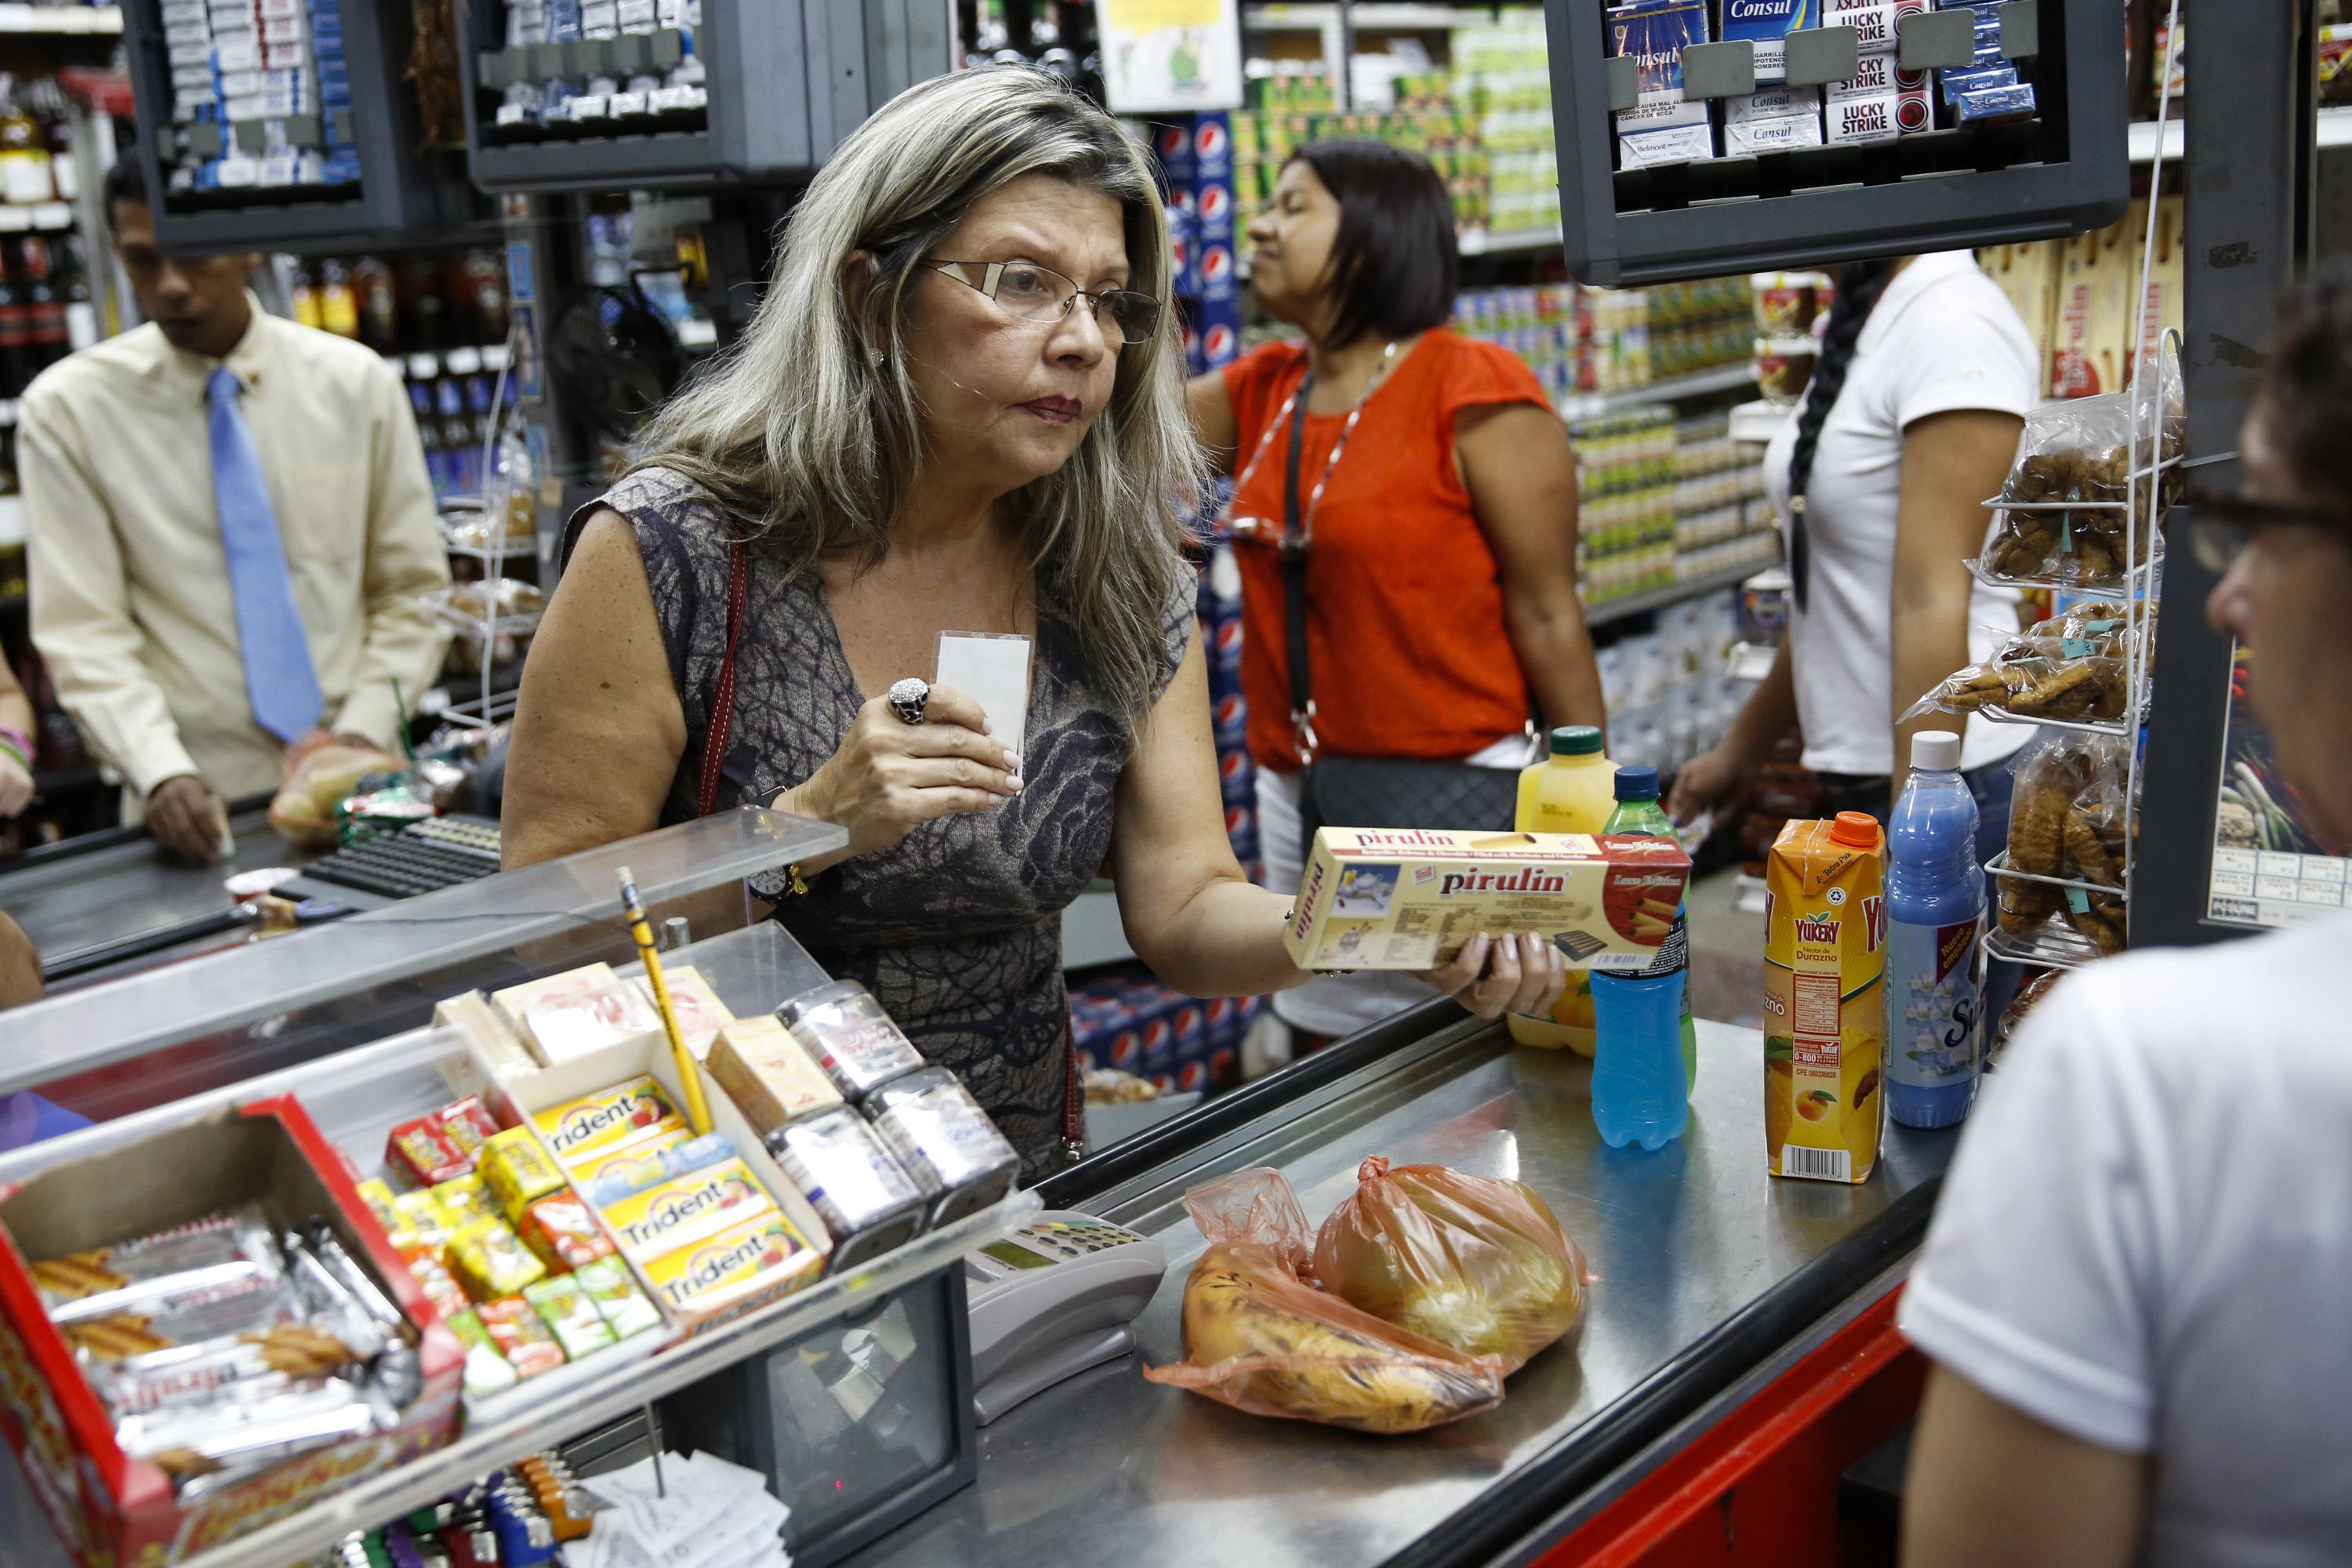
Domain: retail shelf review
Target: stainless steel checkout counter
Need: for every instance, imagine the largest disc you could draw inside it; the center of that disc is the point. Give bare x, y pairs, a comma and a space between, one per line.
1713, 1277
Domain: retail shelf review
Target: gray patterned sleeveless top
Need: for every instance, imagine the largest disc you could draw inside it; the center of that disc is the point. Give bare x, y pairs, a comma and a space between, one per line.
957, 929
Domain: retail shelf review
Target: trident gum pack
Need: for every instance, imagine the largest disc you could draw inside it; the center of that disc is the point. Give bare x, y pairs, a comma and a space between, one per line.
1387, 899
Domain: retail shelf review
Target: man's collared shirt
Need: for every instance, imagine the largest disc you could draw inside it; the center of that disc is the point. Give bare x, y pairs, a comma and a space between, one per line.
132, 607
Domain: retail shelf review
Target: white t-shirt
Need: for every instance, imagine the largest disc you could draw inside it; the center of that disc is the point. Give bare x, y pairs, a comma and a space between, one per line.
1943, 337
2145, 1239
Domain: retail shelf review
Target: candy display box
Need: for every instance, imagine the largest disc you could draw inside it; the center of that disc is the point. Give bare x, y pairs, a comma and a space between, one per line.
110, 1509
518, 1098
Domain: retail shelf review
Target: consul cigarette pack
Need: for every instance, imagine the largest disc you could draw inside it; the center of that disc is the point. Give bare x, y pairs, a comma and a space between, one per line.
1386, 899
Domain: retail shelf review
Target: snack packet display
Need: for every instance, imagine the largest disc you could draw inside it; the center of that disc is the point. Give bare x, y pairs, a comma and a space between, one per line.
2071, 668
851, 1180
849, 1036
945, 1142
2079, 450
1260, 1336
1471, 1262
2066, 819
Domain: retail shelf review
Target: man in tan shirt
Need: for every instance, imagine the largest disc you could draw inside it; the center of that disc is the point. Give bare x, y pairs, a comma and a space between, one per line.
149, 541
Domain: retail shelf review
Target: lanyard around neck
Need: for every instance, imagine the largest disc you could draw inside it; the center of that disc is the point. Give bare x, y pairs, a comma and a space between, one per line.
1298, 524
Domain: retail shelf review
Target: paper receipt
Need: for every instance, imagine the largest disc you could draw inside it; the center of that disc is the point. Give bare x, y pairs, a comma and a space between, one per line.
992, 669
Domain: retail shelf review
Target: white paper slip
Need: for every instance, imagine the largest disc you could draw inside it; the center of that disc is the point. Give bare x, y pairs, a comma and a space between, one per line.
992, 669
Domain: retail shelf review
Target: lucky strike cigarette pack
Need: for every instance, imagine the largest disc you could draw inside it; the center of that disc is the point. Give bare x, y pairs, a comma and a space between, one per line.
1389, 899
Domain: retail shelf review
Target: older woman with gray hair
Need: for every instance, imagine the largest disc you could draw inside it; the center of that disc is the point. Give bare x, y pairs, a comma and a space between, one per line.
959, 408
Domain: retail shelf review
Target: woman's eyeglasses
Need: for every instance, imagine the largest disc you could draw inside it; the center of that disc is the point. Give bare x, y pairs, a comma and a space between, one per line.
2222, 524
1034, 293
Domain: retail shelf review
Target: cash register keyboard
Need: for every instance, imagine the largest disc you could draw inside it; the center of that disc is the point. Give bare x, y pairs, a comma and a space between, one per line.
422, 857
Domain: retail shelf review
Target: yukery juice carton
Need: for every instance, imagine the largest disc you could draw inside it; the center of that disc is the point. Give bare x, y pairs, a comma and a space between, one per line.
1825, 998
1395, 898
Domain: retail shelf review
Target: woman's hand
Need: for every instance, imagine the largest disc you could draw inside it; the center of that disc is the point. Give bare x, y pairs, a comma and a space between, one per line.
1710, 781
1493, 975
889, 775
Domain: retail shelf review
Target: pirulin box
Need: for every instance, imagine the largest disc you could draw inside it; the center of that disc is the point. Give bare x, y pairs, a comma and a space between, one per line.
107, 1507
1392, 899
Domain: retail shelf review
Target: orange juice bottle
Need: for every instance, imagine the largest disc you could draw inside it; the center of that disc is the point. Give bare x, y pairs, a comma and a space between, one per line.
1572, 789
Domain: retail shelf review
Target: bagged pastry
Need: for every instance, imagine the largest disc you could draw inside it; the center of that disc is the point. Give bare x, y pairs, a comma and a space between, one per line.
2067, 819
1471, 1262
2081, 449
1259, 1335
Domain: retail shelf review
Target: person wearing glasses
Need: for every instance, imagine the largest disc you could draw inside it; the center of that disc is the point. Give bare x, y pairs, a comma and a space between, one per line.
959, 409
1430, 491
2133, 1291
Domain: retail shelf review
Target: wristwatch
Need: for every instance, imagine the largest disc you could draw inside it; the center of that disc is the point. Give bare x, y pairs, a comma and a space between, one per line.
779, 883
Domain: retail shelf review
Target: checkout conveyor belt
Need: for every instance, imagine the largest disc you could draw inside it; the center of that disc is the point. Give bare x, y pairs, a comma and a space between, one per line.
86, 907
1709, 1270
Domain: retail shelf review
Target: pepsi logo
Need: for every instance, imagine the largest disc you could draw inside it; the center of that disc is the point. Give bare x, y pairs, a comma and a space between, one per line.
1169, 141
1232, 712
1192, 1075
1219, 1009
1216, 204
1228, 636
1191, 340
1155, 1035
1179, 249
1221, 1060
1233, 765
1165, 1082
1126, 1049
1187, 1023
1222, 342
1217, 263
1210, 139
1184, 204
1237, 821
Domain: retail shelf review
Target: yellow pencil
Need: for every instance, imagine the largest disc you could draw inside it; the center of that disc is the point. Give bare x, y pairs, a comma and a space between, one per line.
641, 931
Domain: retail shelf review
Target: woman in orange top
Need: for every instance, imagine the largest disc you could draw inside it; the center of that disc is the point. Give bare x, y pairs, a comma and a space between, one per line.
1438, 492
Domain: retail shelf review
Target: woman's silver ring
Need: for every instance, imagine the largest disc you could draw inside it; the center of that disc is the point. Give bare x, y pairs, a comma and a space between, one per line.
908, 699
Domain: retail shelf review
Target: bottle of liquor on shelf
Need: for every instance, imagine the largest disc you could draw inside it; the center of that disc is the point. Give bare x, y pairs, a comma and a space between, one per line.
379, 308
15, 336
47, 340
49, 103
424, 313
24, 176
480, 285
81, 310
339, 303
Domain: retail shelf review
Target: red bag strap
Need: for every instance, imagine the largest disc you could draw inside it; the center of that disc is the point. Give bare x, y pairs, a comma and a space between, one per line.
1074, 1098
722, 700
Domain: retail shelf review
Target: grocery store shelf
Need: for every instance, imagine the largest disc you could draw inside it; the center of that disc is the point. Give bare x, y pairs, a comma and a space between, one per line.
1760, 421
1092, 931
1698, 383
1502, 242
2335, 129
48, 217
77, 21
1633, 604
1373, 18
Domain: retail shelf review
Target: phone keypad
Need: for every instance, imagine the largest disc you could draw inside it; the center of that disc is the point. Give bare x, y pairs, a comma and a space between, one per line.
1077, 1238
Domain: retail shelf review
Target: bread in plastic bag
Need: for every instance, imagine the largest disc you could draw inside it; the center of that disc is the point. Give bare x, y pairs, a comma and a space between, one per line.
1260, 1336
304, 807
2067, 817
1469, 1261
2080, 451
2075, 665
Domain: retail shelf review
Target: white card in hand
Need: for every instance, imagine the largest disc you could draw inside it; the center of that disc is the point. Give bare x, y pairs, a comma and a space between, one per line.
992, 669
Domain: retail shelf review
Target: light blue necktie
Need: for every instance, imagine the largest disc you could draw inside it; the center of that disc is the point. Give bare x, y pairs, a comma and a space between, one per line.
278, 679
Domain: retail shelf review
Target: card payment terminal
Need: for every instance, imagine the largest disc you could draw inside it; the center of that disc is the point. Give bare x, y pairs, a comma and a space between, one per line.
1050, 1299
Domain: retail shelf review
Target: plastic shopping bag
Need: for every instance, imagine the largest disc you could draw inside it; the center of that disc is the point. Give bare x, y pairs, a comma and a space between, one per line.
1260, 1336
1471, 1262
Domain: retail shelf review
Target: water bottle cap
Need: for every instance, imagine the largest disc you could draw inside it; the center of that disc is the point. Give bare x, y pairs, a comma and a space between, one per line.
1637, 783
1856, 829
1576, 741
1937, 750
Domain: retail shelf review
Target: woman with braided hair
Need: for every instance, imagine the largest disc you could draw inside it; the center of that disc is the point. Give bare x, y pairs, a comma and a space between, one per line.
1912, 419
